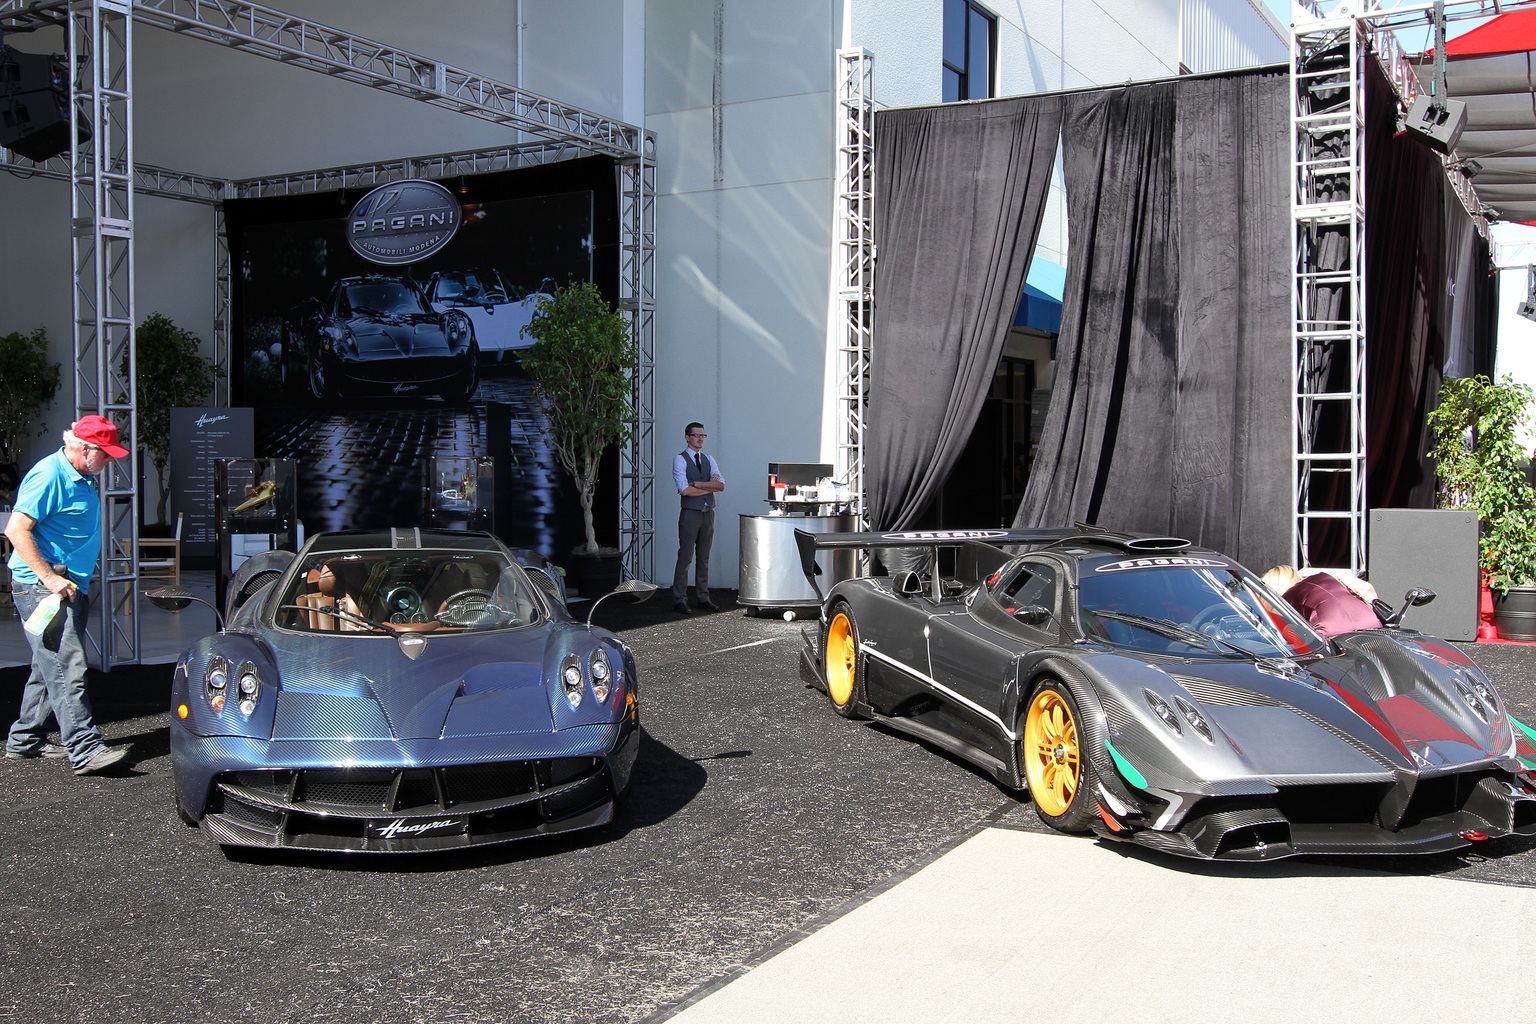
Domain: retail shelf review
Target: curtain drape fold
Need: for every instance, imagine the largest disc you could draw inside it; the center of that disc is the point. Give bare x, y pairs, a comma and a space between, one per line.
959, 193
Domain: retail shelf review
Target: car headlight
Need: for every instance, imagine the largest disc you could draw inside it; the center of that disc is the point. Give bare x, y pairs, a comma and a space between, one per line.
1471, 699
571, 681
247, 687
1484, 689
600, 676
216, 682
1161, 709
1193, 717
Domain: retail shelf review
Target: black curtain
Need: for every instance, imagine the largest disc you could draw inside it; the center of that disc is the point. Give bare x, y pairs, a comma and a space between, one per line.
1426, 283
1170, 405
959, 192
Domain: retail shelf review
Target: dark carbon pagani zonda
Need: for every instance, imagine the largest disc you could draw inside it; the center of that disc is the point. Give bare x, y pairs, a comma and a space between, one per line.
401, 690
1160, 694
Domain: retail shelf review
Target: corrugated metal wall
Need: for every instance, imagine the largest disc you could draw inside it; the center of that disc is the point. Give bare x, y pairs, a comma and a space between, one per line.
1221, 34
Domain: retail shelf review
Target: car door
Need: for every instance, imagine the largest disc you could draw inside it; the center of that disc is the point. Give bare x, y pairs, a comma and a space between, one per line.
974, 648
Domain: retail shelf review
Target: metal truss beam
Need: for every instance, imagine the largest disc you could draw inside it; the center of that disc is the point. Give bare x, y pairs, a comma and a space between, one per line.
252, 28
637, 300
160, 182
854, 265
101, 213
439, 166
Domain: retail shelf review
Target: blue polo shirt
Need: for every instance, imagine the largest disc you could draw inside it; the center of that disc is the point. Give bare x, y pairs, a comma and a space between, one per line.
68, 512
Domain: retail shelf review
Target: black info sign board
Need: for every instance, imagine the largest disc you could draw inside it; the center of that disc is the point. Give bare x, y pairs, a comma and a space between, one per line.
199, 436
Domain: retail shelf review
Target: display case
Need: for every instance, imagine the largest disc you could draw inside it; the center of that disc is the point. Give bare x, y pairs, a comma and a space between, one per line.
252, 498
458, 493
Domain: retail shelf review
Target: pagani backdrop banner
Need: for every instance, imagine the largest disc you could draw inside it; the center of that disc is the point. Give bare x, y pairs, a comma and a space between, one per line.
1170, 408
362, 367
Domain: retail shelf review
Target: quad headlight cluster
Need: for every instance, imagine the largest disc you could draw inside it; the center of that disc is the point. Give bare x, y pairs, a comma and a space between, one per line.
1174, 720
458, 327
598, 671
247, 685
1479, 696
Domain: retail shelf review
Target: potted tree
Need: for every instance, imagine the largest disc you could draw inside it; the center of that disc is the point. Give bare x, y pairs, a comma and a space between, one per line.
581, 362
171, 371
28, 384
1480, 468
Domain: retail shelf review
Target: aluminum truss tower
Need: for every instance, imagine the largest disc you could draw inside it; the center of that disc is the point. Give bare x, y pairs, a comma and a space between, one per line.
854, 264
1329, 56
104, 180
1328, 471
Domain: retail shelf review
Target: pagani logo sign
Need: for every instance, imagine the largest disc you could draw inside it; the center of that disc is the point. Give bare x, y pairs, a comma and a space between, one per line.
1170, 562
403, 222
929, 535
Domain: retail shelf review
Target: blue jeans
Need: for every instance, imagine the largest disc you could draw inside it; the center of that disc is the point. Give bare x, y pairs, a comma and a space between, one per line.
57, 683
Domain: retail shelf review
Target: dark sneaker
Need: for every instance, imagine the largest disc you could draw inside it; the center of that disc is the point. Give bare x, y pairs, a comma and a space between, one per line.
106, 757
681, 608
709, 606
52, 751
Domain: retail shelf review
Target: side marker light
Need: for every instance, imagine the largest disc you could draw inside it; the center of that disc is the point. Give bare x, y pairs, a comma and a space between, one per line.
181, 710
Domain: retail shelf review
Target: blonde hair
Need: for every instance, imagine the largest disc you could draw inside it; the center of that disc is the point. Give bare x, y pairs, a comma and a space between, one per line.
1281, 578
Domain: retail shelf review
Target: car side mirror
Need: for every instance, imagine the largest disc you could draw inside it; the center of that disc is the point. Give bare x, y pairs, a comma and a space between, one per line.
908, 584
1415, 598
1033, 615
1419, 596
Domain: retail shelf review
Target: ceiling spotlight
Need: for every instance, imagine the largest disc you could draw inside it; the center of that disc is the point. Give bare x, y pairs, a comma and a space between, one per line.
1469, 168
463, 186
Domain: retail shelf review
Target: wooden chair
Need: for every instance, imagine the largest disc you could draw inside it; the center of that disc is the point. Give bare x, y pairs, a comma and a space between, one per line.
167, 569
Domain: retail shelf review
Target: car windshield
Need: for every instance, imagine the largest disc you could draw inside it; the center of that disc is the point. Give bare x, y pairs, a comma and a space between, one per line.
470, 288
384, 297
407, 591
1189, 611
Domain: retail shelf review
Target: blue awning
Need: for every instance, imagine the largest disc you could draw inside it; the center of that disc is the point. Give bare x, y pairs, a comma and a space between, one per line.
1040, 307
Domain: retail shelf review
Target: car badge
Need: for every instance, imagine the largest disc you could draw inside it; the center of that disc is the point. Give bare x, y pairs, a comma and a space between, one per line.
403, 221
411, 644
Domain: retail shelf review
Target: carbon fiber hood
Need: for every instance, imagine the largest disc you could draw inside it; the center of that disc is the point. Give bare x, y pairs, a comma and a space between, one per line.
1387, 706
365, 688
407, 335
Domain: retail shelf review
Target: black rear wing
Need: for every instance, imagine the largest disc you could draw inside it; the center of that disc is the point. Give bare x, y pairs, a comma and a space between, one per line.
983, 548
988, 544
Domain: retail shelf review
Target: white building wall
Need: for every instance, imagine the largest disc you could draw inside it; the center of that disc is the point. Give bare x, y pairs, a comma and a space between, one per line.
1214, 40
740, 98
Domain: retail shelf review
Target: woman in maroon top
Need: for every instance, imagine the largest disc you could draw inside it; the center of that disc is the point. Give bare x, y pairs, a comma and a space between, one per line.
1328, 603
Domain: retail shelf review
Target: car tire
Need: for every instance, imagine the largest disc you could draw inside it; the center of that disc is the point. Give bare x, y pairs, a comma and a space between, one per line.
470, 380
318, 385
1054, 753
840, 661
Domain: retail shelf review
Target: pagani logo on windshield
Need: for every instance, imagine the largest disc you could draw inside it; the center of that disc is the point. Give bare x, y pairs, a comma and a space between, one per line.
403, 222
1162, 563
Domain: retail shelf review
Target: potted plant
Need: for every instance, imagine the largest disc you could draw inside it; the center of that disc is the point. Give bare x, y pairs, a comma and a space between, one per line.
581, 362
171, 371
28, 384
1480, 468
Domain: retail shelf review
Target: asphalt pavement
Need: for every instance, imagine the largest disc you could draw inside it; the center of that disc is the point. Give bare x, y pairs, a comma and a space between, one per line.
773, 863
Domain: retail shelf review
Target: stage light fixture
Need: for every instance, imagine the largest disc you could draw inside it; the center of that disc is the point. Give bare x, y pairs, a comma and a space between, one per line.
1527, 308
1468, 168
1435, 119
34, 105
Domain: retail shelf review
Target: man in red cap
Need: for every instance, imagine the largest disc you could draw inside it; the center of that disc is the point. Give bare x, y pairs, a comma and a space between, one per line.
55, 533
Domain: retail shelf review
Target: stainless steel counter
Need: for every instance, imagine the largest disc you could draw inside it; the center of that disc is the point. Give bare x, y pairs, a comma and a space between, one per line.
770, 575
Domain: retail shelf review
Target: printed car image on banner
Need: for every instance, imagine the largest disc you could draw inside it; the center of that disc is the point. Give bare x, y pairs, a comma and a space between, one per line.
377, 328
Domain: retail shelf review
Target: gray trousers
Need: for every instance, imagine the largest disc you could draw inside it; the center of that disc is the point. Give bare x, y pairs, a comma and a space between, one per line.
695, 533
57, 683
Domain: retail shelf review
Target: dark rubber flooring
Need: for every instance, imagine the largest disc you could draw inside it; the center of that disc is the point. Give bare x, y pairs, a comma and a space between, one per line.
756, 814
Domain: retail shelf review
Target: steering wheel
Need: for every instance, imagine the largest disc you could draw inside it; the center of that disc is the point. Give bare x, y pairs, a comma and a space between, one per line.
466, 608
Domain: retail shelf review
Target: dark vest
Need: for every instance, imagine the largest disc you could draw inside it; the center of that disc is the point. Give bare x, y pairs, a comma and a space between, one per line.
698, 502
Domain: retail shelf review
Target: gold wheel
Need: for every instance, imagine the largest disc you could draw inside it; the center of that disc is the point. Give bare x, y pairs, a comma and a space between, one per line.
1052, 756
842, 658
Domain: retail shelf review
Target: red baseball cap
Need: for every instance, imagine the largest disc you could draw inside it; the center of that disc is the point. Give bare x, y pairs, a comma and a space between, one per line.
100, 432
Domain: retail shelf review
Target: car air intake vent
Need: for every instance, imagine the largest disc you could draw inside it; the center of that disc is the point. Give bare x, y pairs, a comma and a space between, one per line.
1157, 544
1207, 692
546, 585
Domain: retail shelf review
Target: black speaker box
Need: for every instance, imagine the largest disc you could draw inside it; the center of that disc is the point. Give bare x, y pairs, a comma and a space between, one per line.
1436, 123
1434, 548
34, 105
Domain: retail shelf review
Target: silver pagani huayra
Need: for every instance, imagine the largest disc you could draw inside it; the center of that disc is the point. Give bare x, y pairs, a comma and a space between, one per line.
1156, 693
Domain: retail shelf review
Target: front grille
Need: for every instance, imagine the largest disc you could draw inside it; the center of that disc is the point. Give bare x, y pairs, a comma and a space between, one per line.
1331, 804
376, 792
1445, 794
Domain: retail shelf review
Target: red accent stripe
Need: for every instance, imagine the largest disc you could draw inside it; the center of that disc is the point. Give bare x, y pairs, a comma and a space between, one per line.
1368, 713
1109, 820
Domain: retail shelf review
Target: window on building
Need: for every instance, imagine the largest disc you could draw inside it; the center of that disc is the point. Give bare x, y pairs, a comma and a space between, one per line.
969, 51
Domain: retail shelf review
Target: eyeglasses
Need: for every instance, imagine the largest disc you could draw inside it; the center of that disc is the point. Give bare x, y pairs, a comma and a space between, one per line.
698, 435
